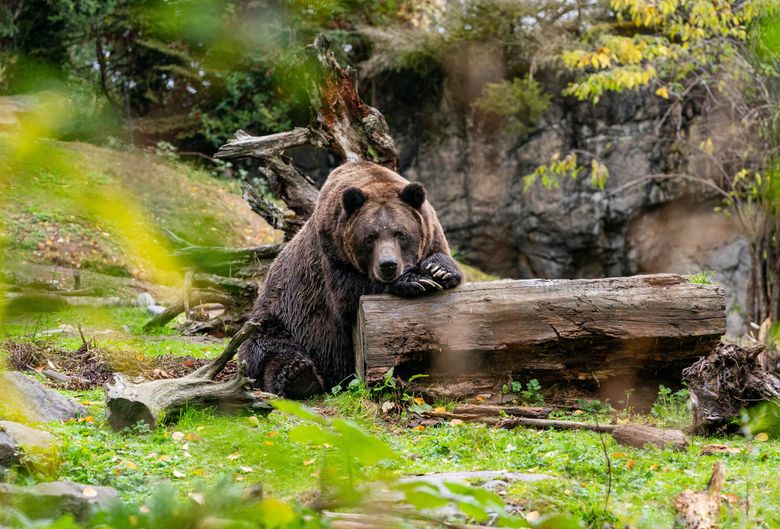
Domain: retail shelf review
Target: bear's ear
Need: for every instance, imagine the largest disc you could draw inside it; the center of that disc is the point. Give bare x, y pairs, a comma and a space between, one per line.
413, 194
352, 199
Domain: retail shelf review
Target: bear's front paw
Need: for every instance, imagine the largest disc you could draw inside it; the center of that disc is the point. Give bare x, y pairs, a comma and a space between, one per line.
443, 270
297, 379
414, 283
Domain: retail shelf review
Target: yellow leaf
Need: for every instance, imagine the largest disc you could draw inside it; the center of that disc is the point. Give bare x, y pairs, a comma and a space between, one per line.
272, 434
579, 412
199, 472
253, 421
419, 428
163, 458
618, 455
233, 456
308, 462
440, 409
630, 463
177, 474
761, 437
246, 470
131, 465
662, 92
268, 443
419, 400
192, 437
654, 467
532, 516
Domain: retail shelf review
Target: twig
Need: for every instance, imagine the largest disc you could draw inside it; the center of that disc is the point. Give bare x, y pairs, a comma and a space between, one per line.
609, 464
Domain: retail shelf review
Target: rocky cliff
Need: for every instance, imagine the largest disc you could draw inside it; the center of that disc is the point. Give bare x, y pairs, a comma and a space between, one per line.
633, 226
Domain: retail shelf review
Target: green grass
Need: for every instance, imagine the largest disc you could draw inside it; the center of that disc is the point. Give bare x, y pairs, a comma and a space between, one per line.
52, 211
251, 450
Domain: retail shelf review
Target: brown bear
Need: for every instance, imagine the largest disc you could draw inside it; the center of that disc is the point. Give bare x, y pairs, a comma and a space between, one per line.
371, 232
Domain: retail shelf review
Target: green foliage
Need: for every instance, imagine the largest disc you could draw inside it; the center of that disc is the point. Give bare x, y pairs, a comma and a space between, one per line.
702, 277
672, 408
520, 102
530, 396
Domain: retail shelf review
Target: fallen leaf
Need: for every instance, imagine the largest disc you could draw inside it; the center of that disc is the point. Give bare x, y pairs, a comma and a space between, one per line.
630, 463
246, 470
192, 437
662, 92
89, 492
177, 436
419, 400
268, 443
387, 406
163, 458
618, 455
177, 473
196, 497
253, 421
761, 437
308, 462
440, 409
456, 422
233, 456
144, 509
532, 516
272, 434
200, 428
131, 465
419, 428
654, 467
579, 412
199, 472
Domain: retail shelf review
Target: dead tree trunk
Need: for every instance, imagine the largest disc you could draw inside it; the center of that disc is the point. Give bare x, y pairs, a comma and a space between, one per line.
578, 333
151, 402
342, 123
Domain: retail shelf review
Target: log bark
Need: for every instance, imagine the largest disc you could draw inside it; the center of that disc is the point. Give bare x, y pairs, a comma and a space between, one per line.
644, 329
154, 401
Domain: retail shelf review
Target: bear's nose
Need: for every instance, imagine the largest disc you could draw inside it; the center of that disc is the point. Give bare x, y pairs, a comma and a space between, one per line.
388, 266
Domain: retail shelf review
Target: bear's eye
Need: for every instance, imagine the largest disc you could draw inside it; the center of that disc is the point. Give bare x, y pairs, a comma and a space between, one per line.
370, 238
401, 235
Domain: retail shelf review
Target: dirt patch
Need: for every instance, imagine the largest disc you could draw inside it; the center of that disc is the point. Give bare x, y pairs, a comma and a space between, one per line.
91, 366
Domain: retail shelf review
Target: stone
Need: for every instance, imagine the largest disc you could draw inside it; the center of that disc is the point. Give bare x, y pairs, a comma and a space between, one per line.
23, 395
57, 498
17, 439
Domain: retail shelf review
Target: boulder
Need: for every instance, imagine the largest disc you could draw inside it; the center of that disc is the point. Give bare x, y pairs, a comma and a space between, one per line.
17, 439
23, 395
57, 498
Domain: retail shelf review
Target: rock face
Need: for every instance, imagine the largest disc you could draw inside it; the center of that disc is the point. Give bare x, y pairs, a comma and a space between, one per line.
474, 176
25, 395
57, 498
16, 439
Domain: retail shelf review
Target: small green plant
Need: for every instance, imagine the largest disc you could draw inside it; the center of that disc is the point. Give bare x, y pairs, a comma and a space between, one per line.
594, 407
672, 407
531, 395
702, 277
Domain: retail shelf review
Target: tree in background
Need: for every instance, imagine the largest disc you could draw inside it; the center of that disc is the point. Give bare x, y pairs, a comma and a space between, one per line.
712, 55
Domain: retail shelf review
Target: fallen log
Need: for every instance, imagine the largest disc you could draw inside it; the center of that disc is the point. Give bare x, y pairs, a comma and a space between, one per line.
586, 333
151, 402
473, 411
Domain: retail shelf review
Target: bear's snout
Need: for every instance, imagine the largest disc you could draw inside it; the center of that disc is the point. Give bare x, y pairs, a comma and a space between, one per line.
388, 267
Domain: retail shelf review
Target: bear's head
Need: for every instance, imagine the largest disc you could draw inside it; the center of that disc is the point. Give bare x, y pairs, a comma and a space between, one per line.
379, 223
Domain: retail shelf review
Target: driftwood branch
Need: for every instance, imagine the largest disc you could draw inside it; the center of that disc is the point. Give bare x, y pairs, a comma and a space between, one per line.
154, 401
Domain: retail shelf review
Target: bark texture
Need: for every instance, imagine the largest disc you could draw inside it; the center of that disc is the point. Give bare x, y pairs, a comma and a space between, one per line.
644, 329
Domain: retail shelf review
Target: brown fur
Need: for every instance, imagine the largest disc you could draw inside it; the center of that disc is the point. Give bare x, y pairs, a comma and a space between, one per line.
371, 232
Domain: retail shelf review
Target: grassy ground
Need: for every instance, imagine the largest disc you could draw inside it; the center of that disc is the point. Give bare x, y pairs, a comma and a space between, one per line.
203, 447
